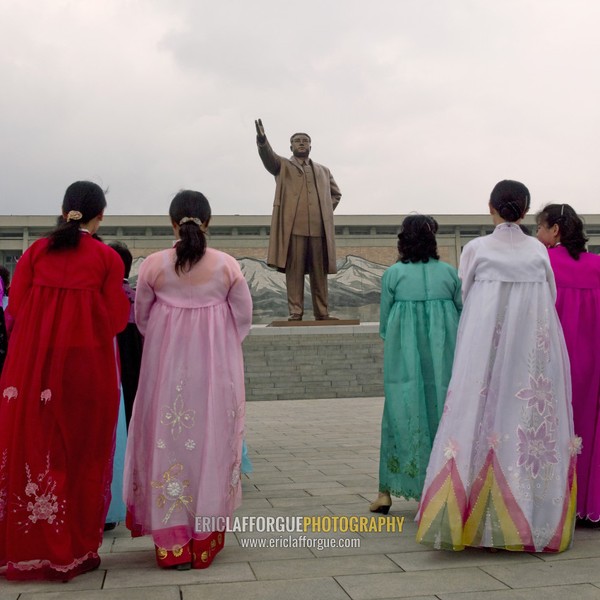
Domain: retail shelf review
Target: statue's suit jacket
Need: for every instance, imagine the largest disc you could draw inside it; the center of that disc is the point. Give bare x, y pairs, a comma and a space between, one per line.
289, 178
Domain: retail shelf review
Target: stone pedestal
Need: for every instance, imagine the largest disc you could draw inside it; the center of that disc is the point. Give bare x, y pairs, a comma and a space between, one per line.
323, 323
329, 361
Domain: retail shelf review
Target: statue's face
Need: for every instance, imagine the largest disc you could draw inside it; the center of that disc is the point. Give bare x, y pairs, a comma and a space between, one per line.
300, 146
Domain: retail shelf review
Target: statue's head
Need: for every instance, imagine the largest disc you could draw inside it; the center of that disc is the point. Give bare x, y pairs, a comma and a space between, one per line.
300, 145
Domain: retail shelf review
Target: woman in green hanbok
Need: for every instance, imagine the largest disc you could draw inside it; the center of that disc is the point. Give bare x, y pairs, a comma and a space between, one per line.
420, 309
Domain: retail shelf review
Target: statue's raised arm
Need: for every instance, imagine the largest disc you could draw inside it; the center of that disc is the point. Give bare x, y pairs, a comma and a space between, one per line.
270, 160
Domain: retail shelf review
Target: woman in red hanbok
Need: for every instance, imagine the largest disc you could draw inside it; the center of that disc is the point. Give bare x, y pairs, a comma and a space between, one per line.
59, 396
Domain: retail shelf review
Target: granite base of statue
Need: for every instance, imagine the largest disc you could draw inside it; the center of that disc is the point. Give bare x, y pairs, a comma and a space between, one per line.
315, 323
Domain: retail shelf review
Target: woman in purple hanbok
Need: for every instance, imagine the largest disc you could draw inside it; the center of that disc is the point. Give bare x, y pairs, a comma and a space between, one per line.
4, 282
130, 340
577, 274
184, 450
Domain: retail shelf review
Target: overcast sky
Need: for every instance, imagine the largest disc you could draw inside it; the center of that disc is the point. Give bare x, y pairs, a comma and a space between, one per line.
413, 104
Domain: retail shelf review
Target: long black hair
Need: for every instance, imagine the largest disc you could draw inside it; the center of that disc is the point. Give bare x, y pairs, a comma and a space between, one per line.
123, 251
83, 201
511, 199
189, 210
416, 241
570, 226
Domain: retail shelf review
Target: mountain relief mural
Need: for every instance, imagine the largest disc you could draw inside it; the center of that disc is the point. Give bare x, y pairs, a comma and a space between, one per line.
354, 291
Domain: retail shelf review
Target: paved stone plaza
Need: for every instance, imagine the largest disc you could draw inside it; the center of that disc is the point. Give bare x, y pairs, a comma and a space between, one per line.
320, 457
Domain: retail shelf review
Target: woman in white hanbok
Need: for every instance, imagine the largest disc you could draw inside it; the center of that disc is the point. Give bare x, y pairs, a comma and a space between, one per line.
502, 469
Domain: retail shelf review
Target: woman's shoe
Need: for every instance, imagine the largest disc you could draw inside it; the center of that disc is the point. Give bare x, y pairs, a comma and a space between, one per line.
382, 504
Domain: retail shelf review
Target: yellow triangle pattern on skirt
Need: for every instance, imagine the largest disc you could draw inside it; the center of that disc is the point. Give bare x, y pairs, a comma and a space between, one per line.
491, 517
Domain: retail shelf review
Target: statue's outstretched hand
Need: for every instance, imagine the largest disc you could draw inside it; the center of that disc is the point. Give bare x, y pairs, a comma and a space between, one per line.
260, 132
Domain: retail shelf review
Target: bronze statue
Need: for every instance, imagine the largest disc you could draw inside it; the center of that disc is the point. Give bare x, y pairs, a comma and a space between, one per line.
302, 238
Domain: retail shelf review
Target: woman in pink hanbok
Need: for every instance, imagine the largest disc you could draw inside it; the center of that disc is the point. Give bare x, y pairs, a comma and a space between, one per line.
577, 274
185, 437
502, 468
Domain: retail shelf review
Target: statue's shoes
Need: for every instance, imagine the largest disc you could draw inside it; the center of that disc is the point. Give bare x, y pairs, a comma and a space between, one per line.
327, 318
295, 318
